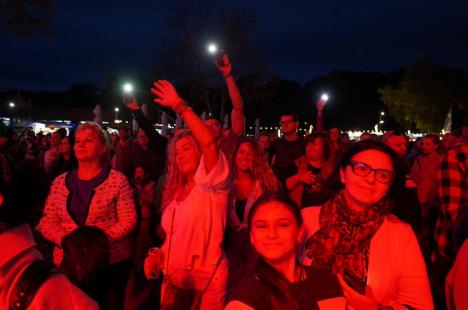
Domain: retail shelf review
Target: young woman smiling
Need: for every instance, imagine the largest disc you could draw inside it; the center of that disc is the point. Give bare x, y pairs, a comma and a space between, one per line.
250, 177
278, 280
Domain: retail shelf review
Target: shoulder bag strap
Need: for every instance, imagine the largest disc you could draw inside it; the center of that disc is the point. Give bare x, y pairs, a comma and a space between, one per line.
29, 283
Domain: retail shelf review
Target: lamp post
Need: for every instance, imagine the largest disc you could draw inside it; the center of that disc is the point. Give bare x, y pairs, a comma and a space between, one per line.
381, 121
116, 114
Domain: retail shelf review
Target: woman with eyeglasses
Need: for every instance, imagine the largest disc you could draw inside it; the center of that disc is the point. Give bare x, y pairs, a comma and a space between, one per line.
354, 234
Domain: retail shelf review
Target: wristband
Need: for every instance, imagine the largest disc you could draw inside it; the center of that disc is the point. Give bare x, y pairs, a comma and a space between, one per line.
181, 107
228, 75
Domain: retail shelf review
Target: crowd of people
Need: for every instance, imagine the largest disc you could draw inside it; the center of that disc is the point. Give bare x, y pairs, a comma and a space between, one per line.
208, 218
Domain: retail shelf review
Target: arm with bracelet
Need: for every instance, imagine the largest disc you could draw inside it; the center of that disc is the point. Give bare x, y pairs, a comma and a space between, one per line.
167, 97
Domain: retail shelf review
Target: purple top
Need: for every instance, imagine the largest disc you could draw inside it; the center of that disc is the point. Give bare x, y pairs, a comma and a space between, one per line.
82, 192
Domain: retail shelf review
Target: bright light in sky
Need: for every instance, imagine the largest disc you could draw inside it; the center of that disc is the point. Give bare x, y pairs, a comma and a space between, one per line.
212, 48
128, 88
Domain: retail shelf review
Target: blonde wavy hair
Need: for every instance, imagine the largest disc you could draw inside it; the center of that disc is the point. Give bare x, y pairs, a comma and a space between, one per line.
261, 170
174, 178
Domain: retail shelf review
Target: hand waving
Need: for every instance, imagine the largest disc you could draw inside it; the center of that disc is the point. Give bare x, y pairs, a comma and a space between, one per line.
131, 102
225, 67
166, 94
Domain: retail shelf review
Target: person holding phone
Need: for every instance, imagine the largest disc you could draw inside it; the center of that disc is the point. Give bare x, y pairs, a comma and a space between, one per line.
354, 234
307, 186
227, 141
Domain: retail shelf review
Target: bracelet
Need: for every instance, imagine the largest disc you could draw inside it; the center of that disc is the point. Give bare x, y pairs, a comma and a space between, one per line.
228, 75
181, 107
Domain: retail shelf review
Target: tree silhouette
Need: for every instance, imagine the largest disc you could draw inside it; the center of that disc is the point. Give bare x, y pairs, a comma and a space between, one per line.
182, 55
424, 95
22, 18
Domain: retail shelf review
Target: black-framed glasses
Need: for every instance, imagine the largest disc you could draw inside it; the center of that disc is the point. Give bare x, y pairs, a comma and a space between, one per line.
361, 169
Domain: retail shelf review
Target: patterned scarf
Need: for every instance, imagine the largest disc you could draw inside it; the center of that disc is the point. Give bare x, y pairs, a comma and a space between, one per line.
343, 240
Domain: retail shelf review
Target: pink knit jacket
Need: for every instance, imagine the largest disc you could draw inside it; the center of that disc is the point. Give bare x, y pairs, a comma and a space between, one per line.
112, 209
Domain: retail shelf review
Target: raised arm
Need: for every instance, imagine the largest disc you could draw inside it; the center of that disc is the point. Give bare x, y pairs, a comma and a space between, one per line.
166, 96
237, 113
319, 127
158, 141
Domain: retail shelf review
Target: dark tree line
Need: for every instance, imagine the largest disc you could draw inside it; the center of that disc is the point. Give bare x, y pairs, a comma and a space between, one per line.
418, 97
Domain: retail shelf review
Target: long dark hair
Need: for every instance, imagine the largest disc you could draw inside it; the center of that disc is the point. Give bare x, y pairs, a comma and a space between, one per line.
326, 147
278, 286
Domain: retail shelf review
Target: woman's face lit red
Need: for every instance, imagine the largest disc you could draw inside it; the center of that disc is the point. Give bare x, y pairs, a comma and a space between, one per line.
363, 191
187, 156
65, 146
264, 142
245, 157
88, 145
334, 134
274, 232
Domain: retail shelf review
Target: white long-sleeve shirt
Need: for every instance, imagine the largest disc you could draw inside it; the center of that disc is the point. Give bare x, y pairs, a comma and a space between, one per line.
396, 272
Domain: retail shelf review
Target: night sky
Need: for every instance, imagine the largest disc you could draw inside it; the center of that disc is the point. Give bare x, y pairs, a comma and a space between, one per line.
301, 39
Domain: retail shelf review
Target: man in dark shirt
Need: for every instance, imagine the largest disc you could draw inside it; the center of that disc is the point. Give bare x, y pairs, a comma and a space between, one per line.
123, 150
149, 151
288, 148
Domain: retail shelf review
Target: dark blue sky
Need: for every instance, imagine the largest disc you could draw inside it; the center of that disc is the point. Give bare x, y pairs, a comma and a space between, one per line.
301, 39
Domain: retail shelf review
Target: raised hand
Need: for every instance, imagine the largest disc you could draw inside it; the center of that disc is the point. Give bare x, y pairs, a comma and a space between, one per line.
320, 105
166, 94
131, 102
225, 67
